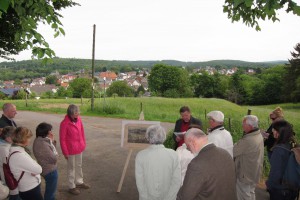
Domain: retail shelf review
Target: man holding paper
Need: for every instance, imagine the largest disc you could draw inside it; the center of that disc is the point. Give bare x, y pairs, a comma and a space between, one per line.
182, 125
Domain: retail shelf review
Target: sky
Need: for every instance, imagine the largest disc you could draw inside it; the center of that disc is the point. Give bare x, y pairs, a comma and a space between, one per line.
185, 30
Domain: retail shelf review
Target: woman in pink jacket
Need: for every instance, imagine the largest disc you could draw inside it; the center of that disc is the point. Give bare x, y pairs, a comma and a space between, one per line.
72, 142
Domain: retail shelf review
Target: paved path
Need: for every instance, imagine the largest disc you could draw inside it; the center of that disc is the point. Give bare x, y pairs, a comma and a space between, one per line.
103, 160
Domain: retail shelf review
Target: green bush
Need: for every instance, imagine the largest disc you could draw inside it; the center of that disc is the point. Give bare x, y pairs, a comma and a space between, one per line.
171, 93
170, 143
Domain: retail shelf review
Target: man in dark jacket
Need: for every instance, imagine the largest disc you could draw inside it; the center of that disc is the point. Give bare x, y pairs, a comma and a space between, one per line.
182, 124
9, 112
211, 174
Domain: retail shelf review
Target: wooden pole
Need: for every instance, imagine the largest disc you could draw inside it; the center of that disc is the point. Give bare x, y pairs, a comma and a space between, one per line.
249, 112
93, 68
124, 171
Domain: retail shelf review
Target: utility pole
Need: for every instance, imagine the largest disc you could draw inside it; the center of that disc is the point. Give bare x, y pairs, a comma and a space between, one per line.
93, 68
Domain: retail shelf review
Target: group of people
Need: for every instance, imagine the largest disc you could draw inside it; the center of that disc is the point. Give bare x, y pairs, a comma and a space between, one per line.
208, 165
14, 142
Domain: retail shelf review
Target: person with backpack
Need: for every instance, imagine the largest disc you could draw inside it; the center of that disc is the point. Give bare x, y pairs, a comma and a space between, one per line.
284, 141
5, 144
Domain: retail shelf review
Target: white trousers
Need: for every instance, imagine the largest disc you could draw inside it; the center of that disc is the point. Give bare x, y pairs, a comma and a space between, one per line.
75, 170
245, 191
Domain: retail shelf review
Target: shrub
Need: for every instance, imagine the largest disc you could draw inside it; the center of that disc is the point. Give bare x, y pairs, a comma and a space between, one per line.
170, 143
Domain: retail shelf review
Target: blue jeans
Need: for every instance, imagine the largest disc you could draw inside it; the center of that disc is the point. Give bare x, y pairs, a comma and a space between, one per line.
51, 185
33, 194
14, 197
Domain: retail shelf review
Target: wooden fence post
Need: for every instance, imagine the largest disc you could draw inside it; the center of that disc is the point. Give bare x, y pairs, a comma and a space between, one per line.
249, 112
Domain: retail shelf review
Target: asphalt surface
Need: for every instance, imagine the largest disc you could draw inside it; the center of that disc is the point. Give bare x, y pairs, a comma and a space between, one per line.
103, 159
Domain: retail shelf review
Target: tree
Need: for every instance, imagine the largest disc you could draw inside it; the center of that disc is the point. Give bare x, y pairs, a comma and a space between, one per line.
292, 78
120, 88
51, 79
163, 78
237, 92
82, 87
250, 12
19, 22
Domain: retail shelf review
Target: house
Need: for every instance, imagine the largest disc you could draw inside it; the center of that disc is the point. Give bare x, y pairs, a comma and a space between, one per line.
39, 89
108, 76
9, 92
38, 81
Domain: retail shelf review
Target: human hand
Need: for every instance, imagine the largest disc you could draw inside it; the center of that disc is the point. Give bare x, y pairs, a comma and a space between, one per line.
66, 157
264, 134
178, 139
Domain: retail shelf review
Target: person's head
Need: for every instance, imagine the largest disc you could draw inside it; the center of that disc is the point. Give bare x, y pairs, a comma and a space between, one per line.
43, 130
155, 134
195, 139
7, 133
195, 126
73, 111
276, 114
185, 113
283, 131
215, 118
9, 110
250, 123
22, 136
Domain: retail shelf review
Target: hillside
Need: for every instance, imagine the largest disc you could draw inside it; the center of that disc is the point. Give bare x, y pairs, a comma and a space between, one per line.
35, 68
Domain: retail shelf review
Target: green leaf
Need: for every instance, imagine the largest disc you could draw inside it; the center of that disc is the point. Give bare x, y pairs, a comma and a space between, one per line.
4, 5
41, 53
56, 34
54, 26
62, 31
249, 3
296, 10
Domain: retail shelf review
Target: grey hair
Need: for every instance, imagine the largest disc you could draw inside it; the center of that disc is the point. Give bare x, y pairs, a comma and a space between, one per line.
72, 109
155, 134
7, 106
251, 120
194, 132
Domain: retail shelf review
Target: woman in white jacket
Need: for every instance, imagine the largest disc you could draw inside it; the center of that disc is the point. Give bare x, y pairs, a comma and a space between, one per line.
30, 184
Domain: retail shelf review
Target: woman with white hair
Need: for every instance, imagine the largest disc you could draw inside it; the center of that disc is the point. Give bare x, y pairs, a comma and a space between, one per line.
157, 169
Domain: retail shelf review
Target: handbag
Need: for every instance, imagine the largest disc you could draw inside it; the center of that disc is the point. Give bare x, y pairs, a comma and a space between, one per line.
10, 180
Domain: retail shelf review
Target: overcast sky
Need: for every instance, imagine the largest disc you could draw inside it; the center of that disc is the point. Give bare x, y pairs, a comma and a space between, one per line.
185, 30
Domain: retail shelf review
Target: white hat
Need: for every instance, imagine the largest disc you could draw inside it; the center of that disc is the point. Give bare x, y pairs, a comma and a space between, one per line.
216, 115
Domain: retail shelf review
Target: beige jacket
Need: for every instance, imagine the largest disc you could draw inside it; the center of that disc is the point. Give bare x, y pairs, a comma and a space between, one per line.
44, 154
248, 154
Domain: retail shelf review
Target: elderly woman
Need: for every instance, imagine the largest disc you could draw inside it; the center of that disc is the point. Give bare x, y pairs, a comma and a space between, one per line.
5, 144
46, 155
284, 141
72, 143
20, 162
157, 169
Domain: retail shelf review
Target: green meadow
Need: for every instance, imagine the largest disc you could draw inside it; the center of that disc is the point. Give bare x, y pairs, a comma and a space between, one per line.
165, 109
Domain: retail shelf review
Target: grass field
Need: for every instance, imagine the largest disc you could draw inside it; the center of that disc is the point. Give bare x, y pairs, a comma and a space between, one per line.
165, 109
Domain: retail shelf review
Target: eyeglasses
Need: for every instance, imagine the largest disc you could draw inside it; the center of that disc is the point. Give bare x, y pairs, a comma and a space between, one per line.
272, 118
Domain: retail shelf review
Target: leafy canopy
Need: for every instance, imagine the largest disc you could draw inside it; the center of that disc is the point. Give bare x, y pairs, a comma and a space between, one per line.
19, 22
250, 11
